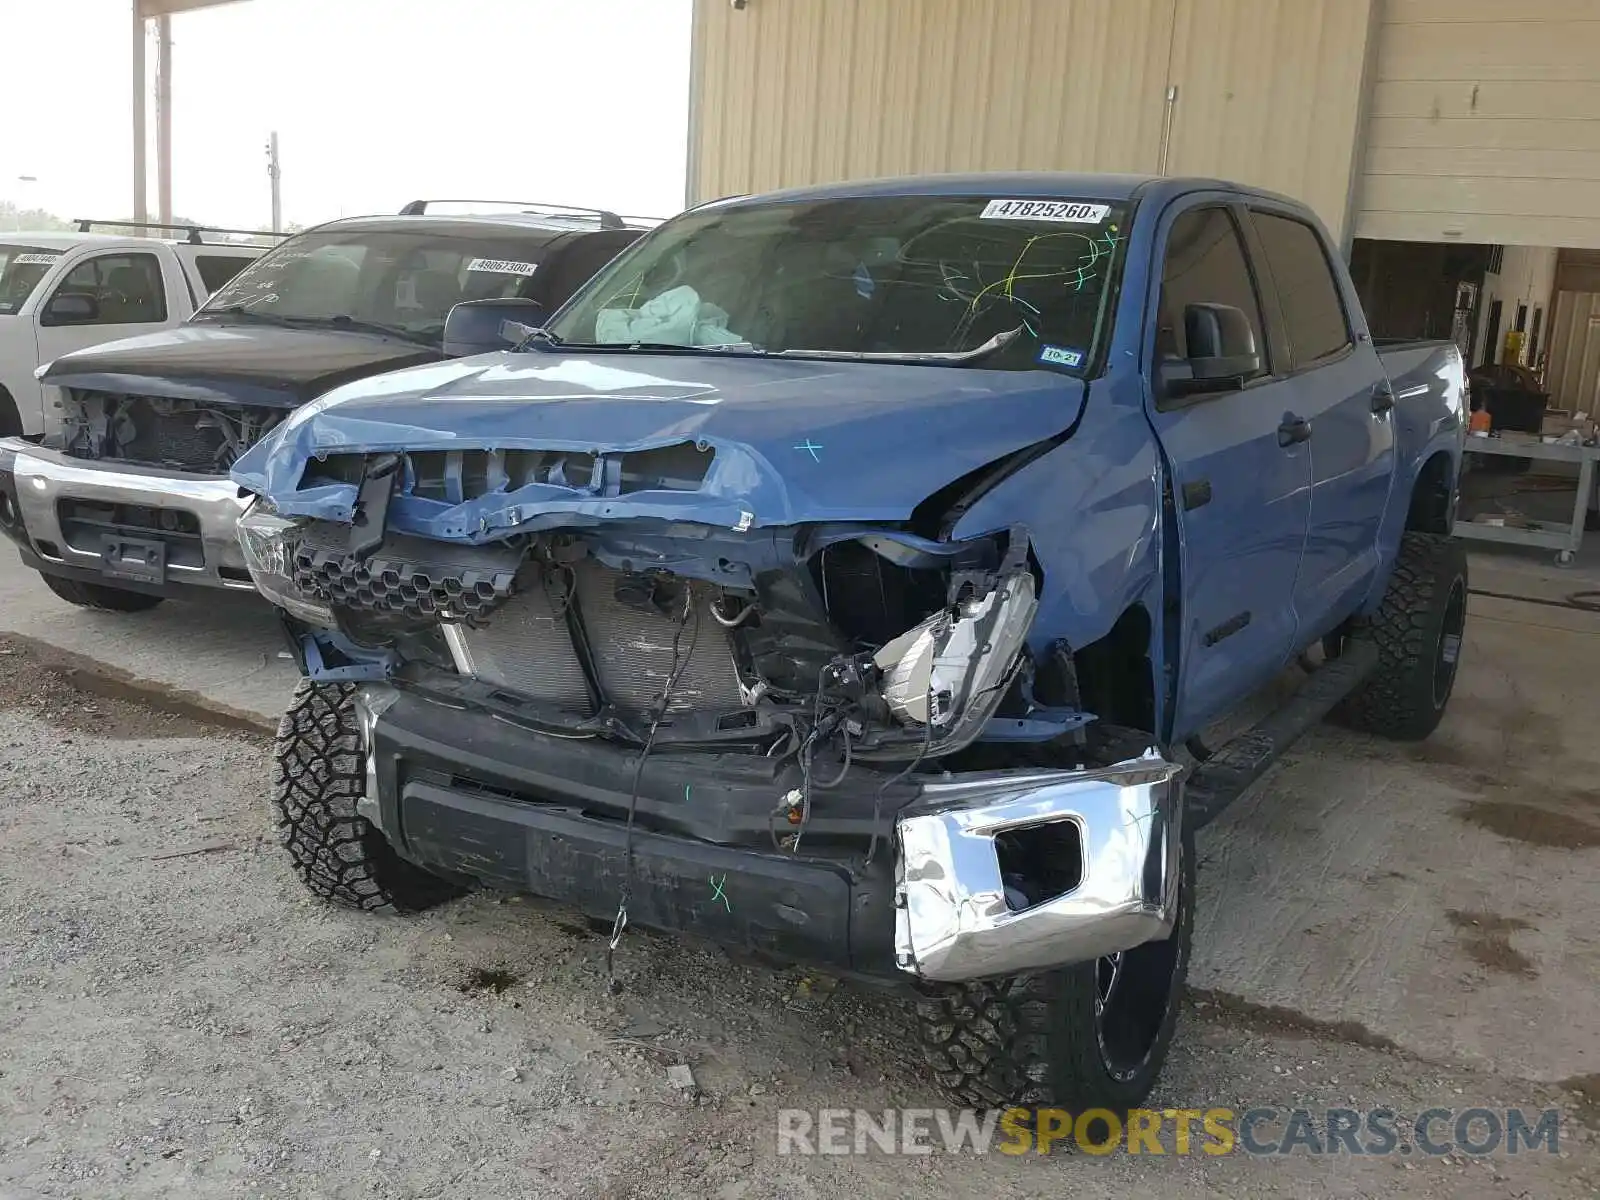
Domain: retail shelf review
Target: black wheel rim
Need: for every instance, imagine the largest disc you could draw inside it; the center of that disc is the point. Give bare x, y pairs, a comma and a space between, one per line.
1134, 993
1447, 655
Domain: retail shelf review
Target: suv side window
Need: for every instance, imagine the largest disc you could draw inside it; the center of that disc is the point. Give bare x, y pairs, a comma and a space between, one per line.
1313, 314
127, 288
1205, 264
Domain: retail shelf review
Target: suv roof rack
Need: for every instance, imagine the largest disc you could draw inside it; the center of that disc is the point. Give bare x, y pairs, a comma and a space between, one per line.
608, 219
193, 231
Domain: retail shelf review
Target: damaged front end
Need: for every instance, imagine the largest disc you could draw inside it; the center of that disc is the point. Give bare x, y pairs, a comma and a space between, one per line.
197, 436
774, 640
795, 694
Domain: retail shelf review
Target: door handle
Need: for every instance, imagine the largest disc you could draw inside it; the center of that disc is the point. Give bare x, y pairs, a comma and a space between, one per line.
1382, 399
1294, 429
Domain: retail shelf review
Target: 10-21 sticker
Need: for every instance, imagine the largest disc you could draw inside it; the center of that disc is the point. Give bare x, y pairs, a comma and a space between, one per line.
1074, 212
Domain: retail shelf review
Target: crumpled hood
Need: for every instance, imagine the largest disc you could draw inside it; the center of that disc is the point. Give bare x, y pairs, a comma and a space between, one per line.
793, 440
236, 362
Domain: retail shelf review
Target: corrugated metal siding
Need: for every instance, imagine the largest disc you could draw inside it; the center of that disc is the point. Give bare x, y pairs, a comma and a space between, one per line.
1573, 377
1485, 123
1270, 93
802, 91
805, 91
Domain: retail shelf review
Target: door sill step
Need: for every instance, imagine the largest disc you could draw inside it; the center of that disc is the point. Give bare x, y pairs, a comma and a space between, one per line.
1230, 769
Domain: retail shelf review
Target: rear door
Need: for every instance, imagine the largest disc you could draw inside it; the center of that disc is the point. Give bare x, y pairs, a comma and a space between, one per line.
1241, 483
209, 267
1341, 390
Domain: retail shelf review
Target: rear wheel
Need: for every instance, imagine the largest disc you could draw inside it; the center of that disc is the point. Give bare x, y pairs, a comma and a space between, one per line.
1418, 631
1092, 1035
319, 772
98, 595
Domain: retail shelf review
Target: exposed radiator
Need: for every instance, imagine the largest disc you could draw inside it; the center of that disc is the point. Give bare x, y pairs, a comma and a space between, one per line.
524, 646
186, 435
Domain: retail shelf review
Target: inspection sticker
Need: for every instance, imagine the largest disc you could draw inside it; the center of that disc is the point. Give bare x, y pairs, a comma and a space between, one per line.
502, 266
1072, 212
1060, 356
33, 257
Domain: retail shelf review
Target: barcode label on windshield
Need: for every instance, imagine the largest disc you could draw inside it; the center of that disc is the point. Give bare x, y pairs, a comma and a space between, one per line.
35, 258
502, 266
1070, 211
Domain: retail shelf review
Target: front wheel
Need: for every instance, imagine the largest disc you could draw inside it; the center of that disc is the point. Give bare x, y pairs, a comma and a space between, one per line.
98, 595
1092, 1035
1418, 630
319, 772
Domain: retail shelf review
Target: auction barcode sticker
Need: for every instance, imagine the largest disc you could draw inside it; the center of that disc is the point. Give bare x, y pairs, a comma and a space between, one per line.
1074, 212
502, 266
35, 257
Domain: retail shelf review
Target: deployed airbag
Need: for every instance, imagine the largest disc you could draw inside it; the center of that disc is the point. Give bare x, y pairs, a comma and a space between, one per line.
677, 317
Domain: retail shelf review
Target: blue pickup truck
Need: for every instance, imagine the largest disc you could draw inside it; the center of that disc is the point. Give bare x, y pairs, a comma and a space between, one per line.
852, 574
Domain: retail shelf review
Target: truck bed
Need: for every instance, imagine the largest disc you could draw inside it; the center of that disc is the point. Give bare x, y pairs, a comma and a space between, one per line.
1430, 367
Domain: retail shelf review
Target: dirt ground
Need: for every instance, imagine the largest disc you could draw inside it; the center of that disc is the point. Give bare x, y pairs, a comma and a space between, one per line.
178, 1019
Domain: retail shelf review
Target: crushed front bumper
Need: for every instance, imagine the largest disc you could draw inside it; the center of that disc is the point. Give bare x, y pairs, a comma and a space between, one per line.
462, 790
124, 525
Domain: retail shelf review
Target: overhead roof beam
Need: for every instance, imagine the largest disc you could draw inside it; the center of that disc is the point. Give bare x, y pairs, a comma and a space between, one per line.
165, 8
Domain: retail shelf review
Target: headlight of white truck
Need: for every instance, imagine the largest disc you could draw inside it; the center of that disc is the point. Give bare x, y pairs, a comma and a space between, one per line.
951, 672
268, 544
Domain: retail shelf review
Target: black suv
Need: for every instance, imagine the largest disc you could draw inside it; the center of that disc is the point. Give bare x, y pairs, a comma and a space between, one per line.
128, 498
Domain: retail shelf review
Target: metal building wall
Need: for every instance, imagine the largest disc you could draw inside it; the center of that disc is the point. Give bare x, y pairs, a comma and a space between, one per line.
1270, 92
802, 91
1485, 123
788, 92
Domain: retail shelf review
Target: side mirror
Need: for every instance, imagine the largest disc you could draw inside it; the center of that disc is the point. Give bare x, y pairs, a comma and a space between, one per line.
1221, 342
1222, 350
71, 308
483, 326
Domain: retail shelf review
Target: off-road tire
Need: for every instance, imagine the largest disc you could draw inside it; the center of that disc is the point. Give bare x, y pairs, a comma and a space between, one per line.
1031, 1041
319, 773
1402, 698
97, 595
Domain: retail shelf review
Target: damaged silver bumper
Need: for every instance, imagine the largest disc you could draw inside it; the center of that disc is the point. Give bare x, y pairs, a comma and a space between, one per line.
954, 920
193, 517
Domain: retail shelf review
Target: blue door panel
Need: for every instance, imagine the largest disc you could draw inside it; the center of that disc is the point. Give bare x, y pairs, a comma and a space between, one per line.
1352, 464
1241, 547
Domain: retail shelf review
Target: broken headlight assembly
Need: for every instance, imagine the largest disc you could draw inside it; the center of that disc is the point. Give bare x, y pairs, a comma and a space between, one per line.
268, 542
946, 676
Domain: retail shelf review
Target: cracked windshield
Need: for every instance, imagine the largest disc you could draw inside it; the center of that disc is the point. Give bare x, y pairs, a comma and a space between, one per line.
405, 283
1015, 283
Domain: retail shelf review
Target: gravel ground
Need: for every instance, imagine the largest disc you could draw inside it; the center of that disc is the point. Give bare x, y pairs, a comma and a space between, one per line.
178, 1019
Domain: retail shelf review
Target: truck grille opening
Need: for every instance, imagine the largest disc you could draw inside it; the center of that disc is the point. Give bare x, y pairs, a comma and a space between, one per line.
86, 524
454, 476
526, 646
159, 431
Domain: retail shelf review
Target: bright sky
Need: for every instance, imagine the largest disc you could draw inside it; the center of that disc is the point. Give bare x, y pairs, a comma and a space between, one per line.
376, 102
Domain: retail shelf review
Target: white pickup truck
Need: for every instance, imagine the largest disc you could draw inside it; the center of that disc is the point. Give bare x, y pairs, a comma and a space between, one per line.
61, 292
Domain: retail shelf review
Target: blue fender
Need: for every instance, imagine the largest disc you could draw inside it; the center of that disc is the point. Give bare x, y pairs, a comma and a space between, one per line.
1093, 509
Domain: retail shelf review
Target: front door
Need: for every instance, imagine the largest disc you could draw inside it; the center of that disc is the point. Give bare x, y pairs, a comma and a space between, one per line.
1241, 477
125, 297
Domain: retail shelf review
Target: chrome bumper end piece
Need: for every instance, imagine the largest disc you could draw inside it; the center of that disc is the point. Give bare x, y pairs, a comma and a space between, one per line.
953, 919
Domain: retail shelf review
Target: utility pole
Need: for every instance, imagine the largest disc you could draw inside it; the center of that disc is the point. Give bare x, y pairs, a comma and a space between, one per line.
275, 173
164, 117
141, 210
